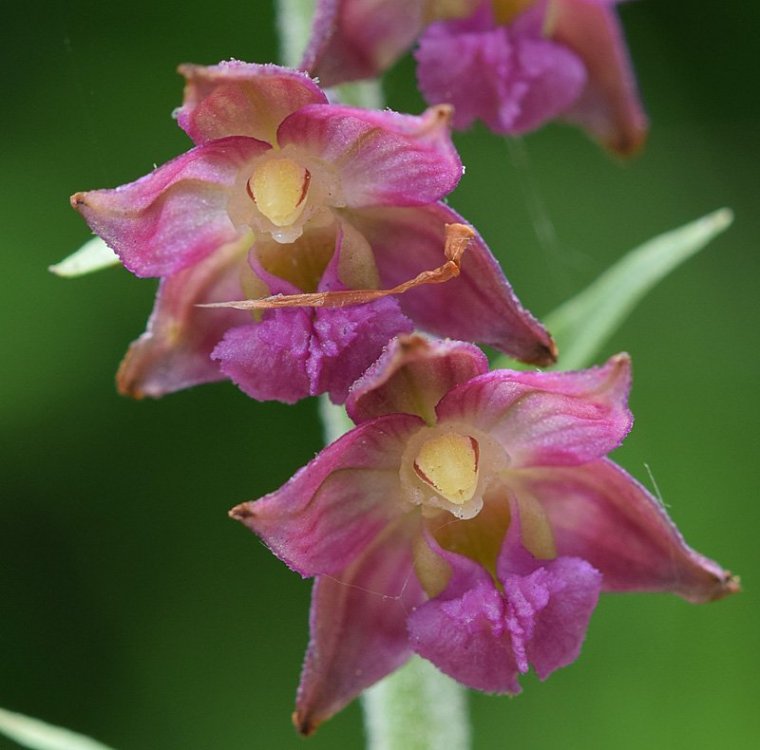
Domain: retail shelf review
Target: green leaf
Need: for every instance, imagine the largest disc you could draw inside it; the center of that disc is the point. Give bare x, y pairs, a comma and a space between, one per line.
582, 325
94, 255
37, 735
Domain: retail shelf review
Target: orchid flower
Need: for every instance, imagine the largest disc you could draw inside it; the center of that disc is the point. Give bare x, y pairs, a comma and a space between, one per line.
515, 64
285, 198
471, 517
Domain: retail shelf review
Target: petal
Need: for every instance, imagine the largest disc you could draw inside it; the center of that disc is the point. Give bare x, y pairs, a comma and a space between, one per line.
463, 631
485, 638
382, 158
601, 514
609, 107
347, 340
176, 215
548, 418
358, 628
572, 587
267, 360
412, 376
324, 517
355, 39
298, 352
549, 604
175, 350
237, 98
478, 306
522, 81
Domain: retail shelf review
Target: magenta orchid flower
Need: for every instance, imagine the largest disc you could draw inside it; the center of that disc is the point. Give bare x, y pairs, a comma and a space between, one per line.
285, 195
471, 517
515, 64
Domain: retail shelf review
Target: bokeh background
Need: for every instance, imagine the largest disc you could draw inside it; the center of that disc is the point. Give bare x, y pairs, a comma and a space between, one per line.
132, 608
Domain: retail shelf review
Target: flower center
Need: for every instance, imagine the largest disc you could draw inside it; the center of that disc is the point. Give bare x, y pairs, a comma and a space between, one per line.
504, 11
448, 462
279, 187
444, 10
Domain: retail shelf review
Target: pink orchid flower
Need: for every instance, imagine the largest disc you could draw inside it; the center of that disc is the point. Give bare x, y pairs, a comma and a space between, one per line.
285, 195
515, 64
471, 517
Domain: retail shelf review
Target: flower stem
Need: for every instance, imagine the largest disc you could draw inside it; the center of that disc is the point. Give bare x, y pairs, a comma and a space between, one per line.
417, 707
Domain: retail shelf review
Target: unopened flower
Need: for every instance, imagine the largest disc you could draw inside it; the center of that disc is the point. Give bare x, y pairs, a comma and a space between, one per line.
285, 194
515, 64
471, 517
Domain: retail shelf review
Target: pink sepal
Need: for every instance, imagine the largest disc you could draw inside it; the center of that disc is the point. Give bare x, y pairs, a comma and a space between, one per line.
548, 418
237, 98
478, 306
357, 627
176, 215
411, 377
321, 519
381, 158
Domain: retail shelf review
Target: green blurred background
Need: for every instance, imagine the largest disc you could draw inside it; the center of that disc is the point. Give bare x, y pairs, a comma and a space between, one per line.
135, 611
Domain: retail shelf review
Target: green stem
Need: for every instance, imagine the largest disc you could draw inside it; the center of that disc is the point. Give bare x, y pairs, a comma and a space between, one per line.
417, 707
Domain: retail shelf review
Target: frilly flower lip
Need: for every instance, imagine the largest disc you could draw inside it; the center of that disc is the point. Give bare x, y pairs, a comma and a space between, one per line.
285, 194
515, 64
472, 517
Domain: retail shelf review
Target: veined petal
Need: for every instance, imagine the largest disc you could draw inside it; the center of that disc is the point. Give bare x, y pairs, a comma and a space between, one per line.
479, 305
547, 418
355, 39
411, 377
176, 215
463, 631
237, 98
609, 107
381, 158
175, 350
358, 627
601, 514
549, 603
324, 517
304, 351
485, 637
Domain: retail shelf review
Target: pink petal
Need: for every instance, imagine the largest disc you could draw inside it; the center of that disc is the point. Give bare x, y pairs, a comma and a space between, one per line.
267, 360
484, 637
467, 638
237, 98
299, 352
358, 628
320, 520
381, 158
549, 605
305, 351
478, 306
549, 418
609, 107
175, 350
522, 81
176, 215
599, 513
412, 376
355, 39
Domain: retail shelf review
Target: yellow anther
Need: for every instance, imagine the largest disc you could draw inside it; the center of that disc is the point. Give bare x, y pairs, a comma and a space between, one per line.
504, 11
448, 462
279, 188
